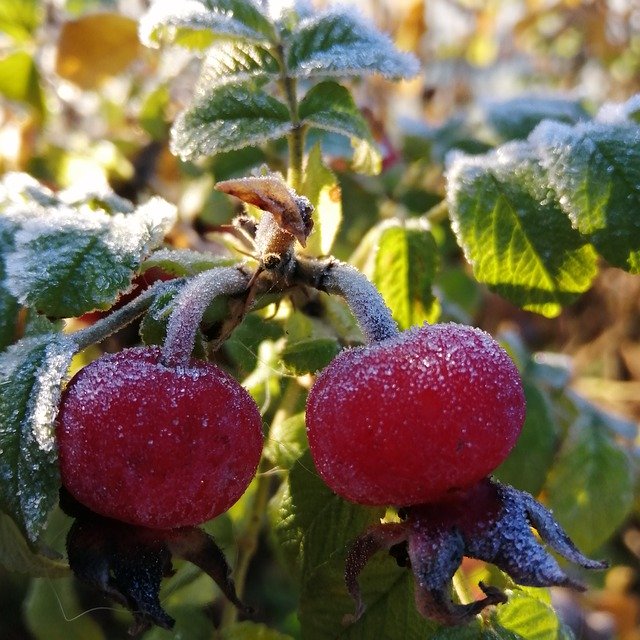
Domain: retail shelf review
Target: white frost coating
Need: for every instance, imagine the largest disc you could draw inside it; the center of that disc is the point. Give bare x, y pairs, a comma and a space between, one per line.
190, 306
190, 14
364, 300
344, 43
615, 113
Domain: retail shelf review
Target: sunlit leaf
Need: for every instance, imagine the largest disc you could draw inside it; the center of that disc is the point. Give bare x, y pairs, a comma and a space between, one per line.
595, 169
20, 18
514, 231
226, 118
20, 79
528, 615
96, 47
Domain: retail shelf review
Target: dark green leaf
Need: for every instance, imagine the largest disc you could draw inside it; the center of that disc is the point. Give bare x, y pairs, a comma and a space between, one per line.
527, 465
16, 555
310, 355
338, 42
595, 169
184, 262
514, 232
75, 260
252, 631
31, 375
192, 623
591, 486
200, 22
20, 79
406, 263
226, 118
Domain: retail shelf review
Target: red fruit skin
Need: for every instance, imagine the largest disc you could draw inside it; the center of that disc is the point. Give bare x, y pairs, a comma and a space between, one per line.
155, 446
415, 418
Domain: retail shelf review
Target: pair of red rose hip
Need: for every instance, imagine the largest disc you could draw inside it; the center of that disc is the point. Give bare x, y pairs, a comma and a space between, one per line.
402, 422
416, 421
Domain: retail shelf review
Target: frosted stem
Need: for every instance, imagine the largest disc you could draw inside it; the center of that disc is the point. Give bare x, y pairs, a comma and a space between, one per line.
191, 304
118, 319
364, 300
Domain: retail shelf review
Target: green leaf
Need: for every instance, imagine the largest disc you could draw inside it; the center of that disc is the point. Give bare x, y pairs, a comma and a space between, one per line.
16, 555
595, 169
287, 441
20, 80
527, 465
228, 117
198, 23
515, 233
184, 262
31, 375
591, 485
74, 260
338, 42
310, 355
321, 186
406, 263
236, 62
53, 612
192, 623
152, 116
20, 18
529, 615
252, 631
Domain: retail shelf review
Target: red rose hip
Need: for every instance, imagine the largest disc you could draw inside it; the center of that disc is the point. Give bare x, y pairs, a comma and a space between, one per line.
156, 446
415, 418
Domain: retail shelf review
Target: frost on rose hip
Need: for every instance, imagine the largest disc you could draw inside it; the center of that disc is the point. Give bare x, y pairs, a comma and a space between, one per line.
156, 446
418, 421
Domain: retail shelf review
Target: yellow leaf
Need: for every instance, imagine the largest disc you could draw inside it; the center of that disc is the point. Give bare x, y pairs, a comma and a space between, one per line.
96, 47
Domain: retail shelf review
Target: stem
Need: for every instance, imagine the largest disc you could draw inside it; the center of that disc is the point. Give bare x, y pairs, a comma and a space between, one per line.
364, 300
191, 304
120, 318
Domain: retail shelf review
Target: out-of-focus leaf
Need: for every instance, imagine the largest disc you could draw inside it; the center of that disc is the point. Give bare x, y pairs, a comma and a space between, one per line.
514, 231
20, 80
226, 118
591, 485
405, 266
15, 554
20, 18
321, 186
252, 631
152, 113
528, 463
96, 47
31, 376
595, 169
338, 42
53, 612
197, 23
192, 623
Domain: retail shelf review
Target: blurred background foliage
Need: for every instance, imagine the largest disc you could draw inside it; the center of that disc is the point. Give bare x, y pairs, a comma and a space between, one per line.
83, 103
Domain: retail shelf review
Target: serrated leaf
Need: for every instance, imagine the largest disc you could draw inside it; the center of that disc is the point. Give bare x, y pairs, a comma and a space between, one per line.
405, 266
528, 617
528, 463
252, 631
514, 232
338, 42
321, 186
330, 106
184, 262
236, 62
226, 118
197, 23
16, 555
595, 169
20, 18
591, 486
75, 260
96, 47
20, 79
31, 375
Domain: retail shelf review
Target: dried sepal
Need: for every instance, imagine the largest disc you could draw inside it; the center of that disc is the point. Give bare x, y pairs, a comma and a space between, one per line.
491, 522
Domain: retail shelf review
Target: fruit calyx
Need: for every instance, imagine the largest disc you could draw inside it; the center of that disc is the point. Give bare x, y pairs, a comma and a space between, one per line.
490, 522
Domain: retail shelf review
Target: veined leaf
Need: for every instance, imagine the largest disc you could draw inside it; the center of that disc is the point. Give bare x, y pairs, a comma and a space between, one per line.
71, 261
529, 614
228, 117
197, 23
338, 42
321, 186
591, 485
514, 232
234, 62
31, 375
595, 169
405, 266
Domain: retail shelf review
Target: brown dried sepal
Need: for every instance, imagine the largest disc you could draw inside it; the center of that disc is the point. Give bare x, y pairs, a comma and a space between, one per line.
490, 522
